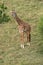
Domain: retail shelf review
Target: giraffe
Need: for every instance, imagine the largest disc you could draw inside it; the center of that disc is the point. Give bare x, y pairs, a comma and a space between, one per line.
23, 27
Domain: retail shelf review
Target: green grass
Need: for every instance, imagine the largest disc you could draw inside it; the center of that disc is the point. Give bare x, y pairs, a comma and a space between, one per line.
10, 51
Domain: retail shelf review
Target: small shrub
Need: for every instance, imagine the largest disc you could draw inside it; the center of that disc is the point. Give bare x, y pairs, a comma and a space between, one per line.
3, 14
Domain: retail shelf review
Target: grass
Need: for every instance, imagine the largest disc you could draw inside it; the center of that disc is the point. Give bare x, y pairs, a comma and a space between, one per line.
10, 51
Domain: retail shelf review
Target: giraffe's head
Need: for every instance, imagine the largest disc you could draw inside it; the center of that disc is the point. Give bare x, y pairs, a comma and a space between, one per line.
14, 13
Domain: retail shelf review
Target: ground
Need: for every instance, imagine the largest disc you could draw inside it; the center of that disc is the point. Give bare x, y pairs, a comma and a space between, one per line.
10, 51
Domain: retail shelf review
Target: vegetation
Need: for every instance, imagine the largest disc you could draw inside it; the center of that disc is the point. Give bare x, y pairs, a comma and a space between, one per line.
3, 16
10, 51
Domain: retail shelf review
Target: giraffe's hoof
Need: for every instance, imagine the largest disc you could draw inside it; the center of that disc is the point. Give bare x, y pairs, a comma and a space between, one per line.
22, 46
28, 44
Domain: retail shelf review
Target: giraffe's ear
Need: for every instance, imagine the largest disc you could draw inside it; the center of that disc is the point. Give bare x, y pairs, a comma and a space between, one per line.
13, 11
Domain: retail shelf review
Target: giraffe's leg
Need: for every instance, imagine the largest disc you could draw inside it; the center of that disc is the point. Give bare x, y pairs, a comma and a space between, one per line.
21, 36
22, 39
28, 38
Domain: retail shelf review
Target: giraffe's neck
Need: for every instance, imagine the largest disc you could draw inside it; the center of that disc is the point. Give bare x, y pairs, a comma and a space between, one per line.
18, 20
